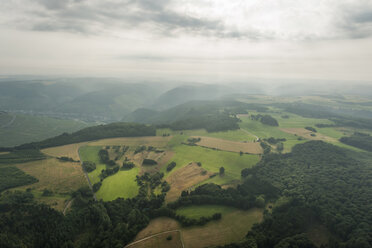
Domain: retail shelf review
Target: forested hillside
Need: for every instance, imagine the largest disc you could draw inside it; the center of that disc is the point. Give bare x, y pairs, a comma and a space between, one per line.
120, 129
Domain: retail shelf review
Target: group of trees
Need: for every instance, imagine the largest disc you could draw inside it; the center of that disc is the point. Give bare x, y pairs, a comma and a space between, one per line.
10, 175
265, 119
103, 156
149, 162
89, 166
311, 129
66, 159
275, 141
359, 140
171, 165
109, 171
127, 165
25, 223
327, 181
185, 221
149, 182
247, 195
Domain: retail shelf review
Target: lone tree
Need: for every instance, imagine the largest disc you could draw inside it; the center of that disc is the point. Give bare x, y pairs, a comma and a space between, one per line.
222, 171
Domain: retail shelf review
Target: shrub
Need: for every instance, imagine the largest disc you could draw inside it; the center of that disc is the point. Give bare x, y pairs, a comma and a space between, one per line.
148, 161
89, 166
171, 166
127, 165
96, 186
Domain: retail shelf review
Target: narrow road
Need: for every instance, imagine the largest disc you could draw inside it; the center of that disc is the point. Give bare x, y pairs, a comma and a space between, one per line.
154, 235
10, 122
68, 205
257, 138
87, 177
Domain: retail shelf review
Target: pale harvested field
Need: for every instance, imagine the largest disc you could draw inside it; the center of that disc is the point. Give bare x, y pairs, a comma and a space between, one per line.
71, 151
155, 141
160, 241
183, 179
231, 228
161, 158
158, 225
61, 177
3, 153
306, 134
58, 203
231, 146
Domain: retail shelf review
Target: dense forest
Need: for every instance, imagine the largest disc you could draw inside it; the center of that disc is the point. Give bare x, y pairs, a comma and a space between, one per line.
327, 180
360, 140
25, 223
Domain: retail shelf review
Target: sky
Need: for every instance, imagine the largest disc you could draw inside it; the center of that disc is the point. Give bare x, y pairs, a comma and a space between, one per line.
200, 40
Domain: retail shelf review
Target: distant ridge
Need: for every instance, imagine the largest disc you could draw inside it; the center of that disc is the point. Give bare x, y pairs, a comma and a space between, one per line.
118, 129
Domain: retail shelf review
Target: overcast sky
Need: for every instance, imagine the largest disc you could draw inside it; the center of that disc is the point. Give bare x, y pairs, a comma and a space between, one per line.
202, 40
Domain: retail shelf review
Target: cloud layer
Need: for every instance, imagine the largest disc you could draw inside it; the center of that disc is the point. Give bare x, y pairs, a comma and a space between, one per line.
254, 20
195, 39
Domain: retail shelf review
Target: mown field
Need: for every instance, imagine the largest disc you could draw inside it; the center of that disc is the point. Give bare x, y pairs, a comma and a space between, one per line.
195, 212
292, 129
160, 240
232, 227
227, 145
60, 177
233, 135
90, 153
122, 184
212, 160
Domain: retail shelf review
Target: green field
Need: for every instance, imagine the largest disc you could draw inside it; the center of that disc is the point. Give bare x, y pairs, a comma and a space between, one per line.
90, 153
234, 135
263, 131
195, 212
212, 160
122, 184
28, 128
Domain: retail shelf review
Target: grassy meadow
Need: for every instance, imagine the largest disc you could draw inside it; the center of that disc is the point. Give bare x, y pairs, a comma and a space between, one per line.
195, 212
90, 153
212, 160
121, 184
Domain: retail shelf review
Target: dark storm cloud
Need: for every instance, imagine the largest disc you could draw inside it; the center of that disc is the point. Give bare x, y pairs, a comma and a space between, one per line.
357, 21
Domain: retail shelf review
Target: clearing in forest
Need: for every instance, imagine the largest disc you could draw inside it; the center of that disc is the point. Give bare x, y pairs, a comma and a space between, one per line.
71, 151
212, 160
307, 134
184, 178
231, 146
61, 177
232, 227
122, 184
156, 141
170, 239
